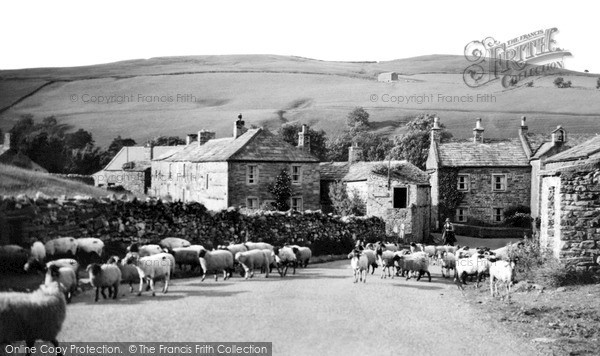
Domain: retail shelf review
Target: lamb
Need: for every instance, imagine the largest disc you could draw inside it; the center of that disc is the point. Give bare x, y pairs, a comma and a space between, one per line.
129, 273
285, 256
65, 276
501, 271
448, 262
188, 256
61, 247
359, 264
105, 276
145, 250
151, 268
13, 258
258, 246
32, 316
303, 255
253, 259
215, 261
38, 251
171, 243
475, 265
415, 262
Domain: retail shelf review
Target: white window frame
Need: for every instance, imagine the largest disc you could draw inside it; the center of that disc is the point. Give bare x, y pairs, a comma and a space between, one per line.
504, 182
251, 174
297, 208
465, 213
496, 216
299, 174
206, 181
251, 198
467, 182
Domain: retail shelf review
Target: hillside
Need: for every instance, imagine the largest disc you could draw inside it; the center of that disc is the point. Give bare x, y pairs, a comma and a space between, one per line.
179, 95
15, 181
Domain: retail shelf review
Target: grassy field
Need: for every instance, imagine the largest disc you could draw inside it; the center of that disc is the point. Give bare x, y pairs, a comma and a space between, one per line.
15, 181
180, 95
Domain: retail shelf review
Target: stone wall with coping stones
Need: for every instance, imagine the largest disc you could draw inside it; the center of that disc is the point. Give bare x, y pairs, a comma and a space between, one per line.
119, 223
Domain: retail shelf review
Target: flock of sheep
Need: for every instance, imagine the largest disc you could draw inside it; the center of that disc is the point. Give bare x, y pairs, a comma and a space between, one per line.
415, 259
59, 260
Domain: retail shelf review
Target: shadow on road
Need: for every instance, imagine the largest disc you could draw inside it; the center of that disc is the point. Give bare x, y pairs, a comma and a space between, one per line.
132, 298
418, 286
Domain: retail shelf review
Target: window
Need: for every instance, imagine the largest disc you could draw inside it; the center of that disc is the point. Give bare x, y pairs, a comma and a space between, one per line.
170, 170
498, 182
206, 182
497, 214
297, 203
463, 182
251, 174
296, 175
461, 214
252, 202
400, 198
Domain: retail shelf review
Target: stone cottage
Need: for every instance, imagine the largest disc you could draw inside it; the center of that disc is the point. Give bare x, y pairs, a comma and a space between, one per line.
491, 175
237, 170
130, 168
570, 205
396, 191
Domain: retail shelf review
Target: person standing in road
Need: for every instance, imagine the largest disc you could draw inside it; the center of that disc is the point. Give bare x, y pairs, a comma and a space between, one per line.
448, 233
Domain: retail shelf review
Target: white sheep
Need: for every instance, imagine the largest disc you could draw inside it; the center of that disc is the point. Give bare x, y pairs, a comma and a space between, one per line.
415, 247
216, 261
258, 246
285, 256
90, 245
129, 273
417, 262
152, 268
370, 254
145, 250
448, 262
105, 276
62, 246
38, 251
504, 253
32, 316
386, 246
65, 262
65, 276
171, 243
359, 264
188, 256
234, 248
385, 259
303, 255
253, 259
476, 265
501, 271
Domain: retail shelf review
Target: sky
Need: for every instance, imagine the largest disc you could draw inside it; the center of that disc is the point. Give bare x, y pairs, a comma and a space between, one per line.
71, 33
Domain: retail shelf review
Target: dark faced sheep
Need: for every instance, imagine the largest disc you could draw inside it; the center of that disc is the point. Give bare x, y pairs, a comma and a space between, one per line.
65, 276
32, 316
359, 264
105, 276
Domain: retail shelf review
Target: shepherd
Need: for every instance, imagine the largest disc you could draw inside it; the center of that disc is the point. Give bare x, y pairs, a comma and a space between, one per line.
448, 233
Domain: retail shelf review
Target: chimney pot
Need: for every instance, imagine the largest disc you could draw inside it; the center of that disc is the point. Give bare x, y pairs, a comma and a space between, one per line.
478, 132
304, 139
354, 153
204, 136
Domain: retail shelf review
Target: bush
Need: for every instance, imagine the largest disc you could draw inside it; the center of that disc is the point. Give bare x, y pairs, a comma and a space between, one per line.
517, 216
560, 83
529, 84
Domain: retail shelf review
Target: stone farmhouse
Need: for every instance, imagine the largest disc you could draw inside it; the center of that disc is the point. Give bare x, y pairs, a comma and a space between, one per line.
570, 205
237, 170
130, 168
396, 191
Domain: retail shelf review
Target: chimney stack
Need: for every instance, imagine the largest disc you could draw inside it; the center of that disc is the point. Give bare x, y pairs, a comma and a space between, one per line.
478, 132
204, 136
524, 128
559, 136
6, 140
238, 127
148, 151
189, 138
435, 130
354, 153
304, 139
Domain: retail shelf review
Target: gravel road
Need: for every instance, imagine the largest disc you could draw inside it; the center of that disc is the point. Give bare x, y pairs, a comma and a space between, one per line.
318, 311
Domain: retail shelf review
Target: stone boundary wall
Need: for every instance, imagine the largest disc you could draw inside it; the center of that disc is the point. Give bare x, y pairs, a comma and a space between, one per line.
121, 222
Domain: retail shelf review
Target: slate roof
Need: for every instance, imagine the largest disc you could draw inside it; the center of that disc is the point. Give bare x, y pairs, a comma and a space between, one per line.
136, 154
587, 150
360, 171
253, 145
508, 153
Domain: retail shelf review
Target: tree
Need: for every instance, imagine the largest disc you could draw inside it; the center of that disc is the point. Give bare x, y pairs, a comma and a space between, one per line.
114, 148
561, 83
358, 118
413, 146
78, 139
167, 141
318, 139
23, 126
343, 204
281, 190
84, 160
